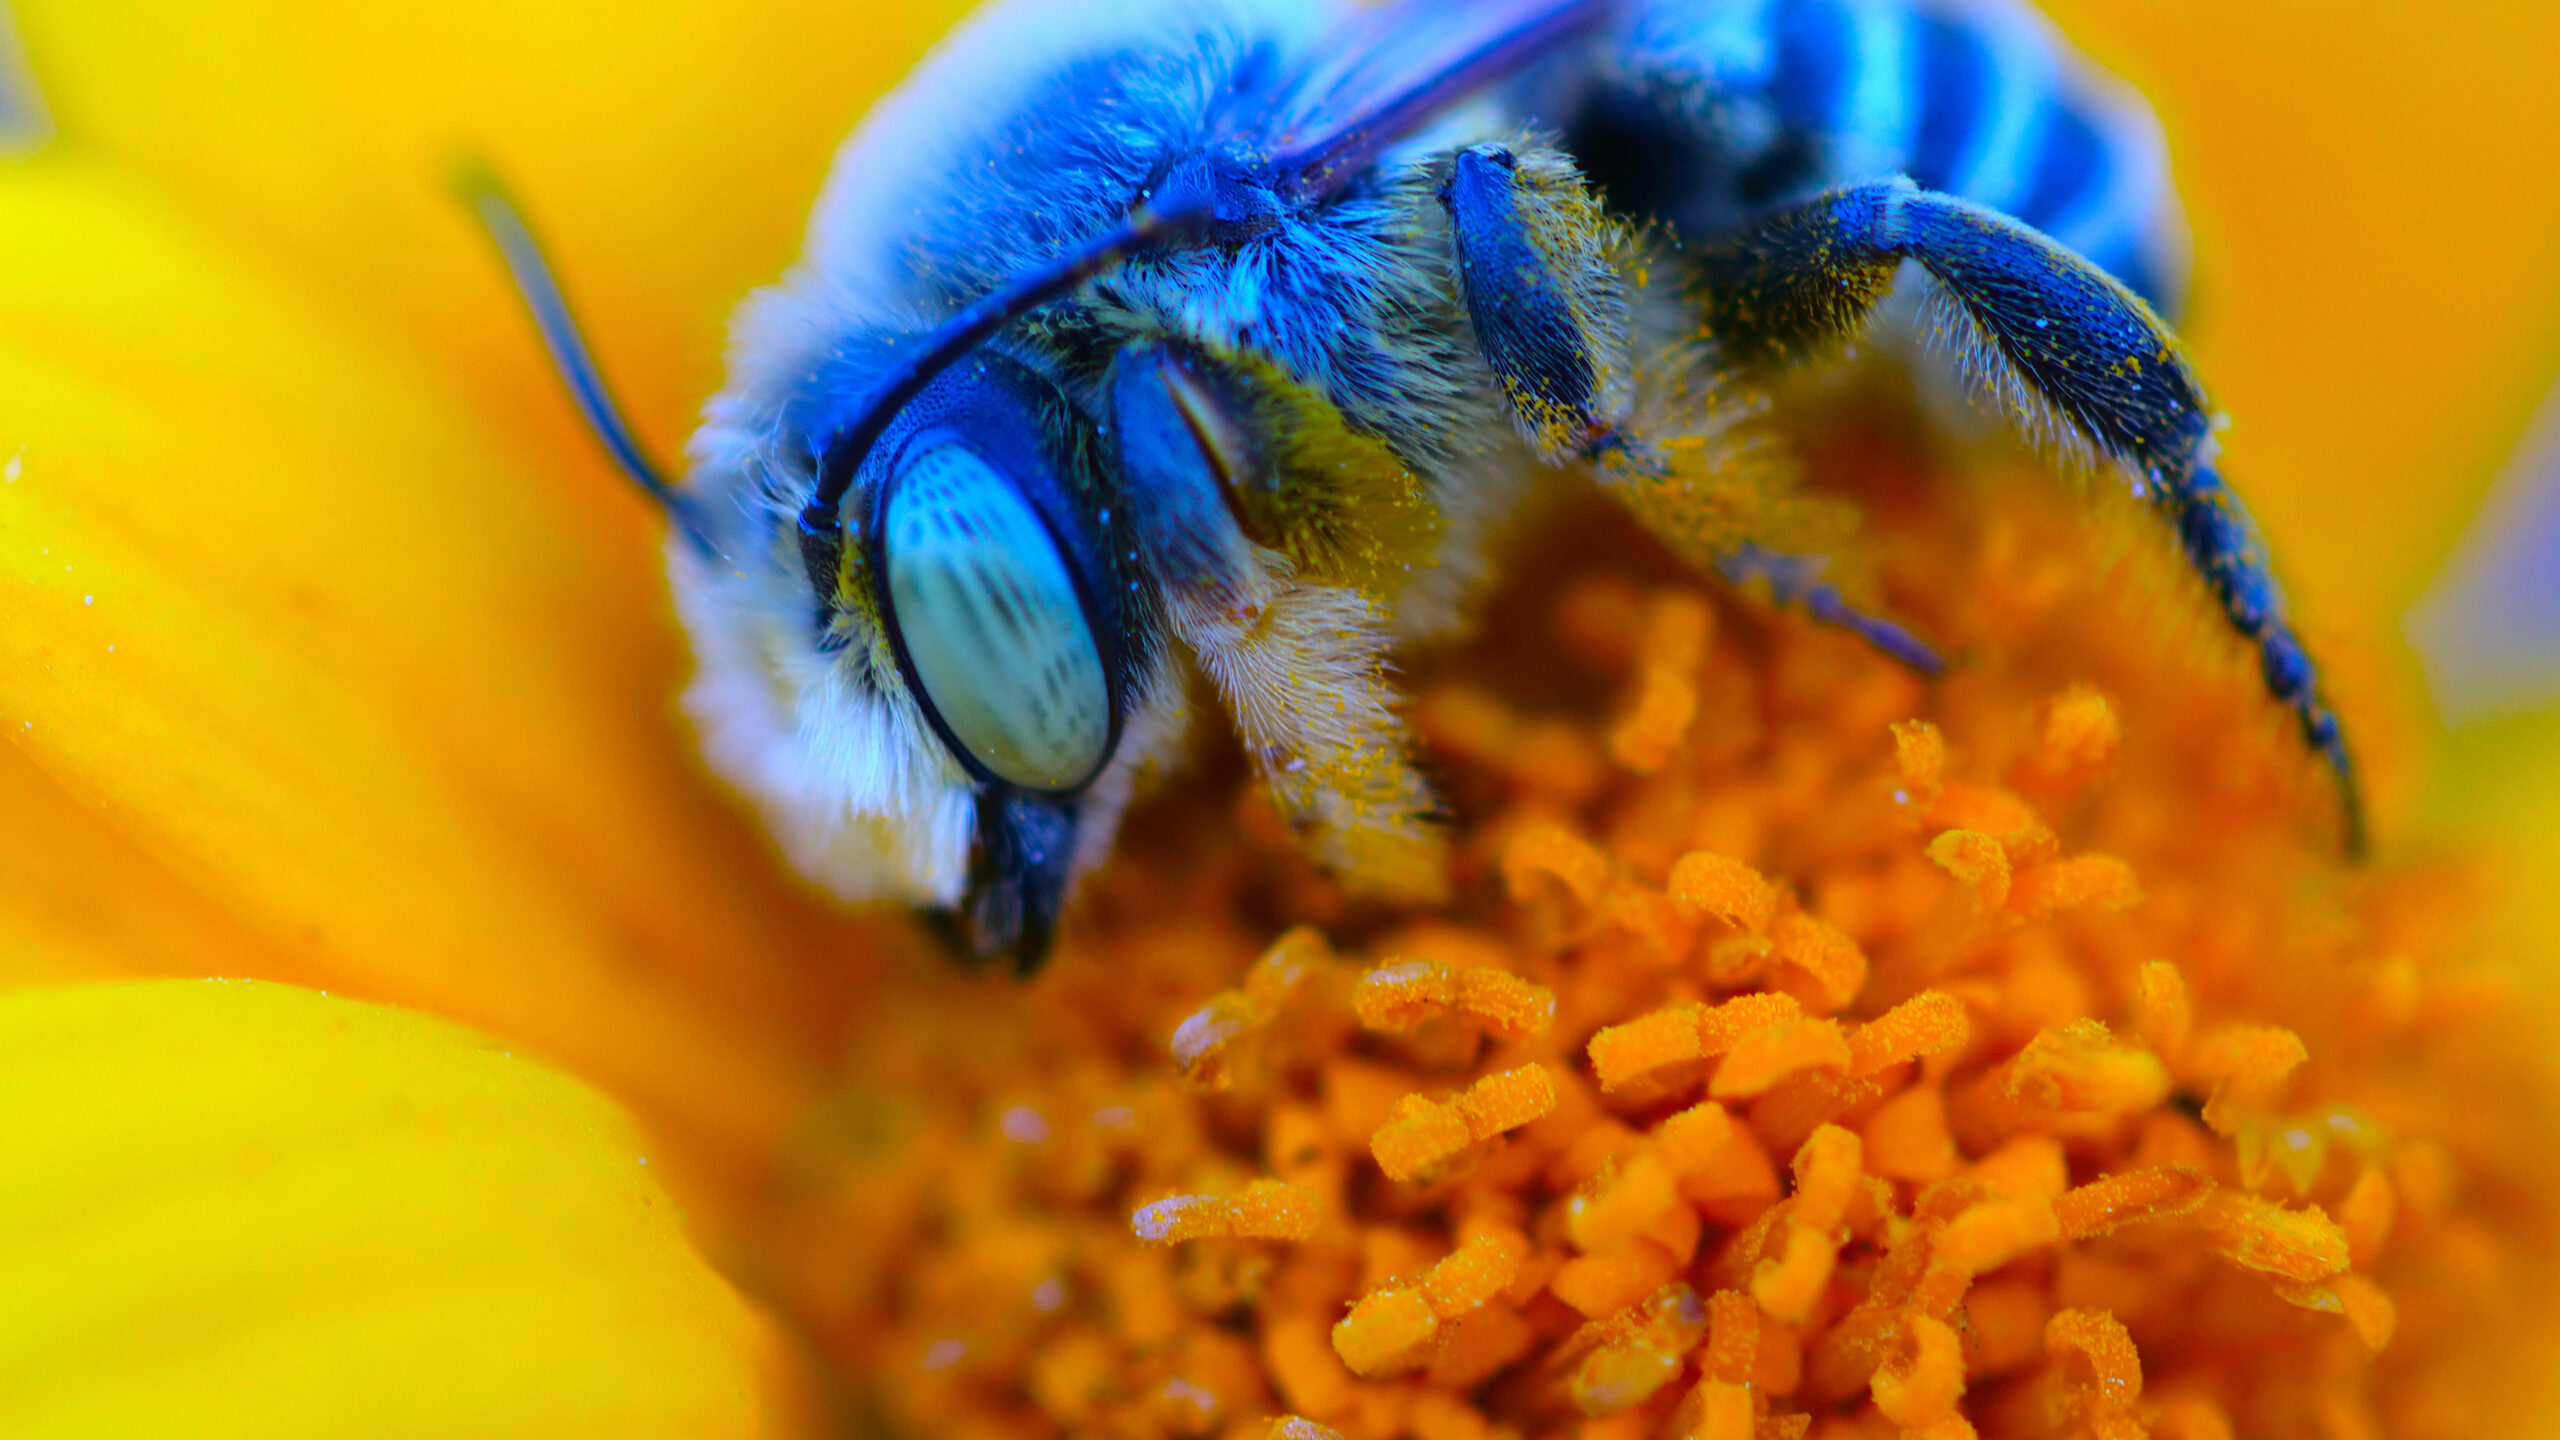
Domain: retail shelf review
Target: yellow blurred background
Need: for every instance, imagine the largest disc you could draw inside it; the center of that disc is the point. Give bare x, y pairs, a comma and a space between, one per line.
2377, 306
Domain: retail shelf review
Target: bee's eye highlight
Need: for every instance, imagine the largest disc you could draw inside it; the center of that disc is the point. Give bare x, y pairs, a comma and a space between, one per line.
988, 617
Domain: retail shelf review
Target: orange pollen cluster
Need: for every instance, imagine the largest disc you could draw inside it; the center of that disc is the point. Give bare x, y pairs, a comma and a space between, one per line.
1834, 1057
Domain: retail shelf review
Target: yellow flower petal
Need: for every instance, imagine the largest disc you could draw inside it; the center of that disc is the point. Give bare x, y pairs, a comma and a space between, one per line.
80, 902
244, 1209
669, 150
283, 613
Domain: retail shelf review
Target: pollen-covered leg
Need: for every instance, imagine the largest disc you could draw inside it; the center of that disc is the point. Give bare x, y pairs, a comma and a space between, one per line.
1301, 664
2089, 372
1551, 284
1543, 293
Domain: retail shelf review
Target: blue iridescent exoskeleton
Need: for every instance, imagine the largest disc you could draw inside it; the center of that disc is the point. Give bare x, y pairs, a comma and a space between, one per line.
1157, 340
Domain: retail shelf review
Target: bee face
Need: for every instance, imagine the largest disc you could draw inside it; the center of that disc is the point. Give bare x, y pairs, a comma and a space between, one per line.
946, 715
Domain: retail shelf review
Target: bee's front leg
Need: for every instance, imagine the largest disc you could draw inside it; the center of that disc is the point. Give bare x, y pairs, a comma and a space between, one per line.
1297, 652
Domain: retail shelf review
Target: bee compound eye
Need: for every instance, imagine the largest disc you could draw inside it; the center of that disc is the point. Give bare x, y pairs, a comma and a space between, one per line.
989, 620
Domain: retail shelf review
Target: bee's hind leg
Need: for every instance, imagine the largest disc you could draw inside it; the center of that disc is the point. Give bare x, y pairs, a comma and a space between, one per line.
1540, 268
2082, 363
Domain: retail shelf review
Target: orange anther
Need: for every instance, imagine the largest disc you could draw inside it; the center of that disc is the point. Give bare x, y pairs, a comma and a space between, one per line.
1693, 1139
2098, 1358
1772, 1053
1733, 1337
2247, 1064
1309, 1376
1788, 1285
1507, 1100
1384, 1329
1651, 916
1607, 1281
1421, 1136
1620, 1202
1922, 1377
1400, 997
2081, 1068
1826, 954
1272, 1210
1721, 1027
1705, 884
1979, 861
2155, 1194
1964, 805
1263, 1210
1677, 626
1827, 1169
1543, 855
2301, 1245
1206, 1044
2100, 882
2162, 1015
1907, 1137
1476, 1272
2367, 1215
1920, 754
1929, 1023
1723, 1410
1628, 1357
1665, 705
2029, 1165
1982, 1238
1622, 1054
2368, 1309
1393, 1323
2075, 743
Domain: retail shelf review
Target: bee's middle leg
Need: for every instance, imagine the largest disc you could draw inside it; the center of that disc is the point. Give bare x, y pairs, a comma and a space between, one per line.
1544, 274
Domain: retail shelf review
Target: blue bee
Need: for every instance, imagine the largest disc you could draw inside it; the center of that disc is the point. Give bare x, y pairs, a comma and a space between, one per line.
1213, 337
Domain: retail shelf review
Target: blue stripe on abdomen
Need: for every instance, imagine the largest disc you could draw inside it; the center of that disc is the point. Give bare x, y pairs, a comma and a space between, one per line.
1811, 67
2071, 167
1955, 80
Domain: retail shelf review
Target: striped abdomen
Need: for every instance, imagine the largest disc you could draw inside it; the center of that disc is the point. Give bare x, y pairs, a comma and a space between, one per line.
1716, 110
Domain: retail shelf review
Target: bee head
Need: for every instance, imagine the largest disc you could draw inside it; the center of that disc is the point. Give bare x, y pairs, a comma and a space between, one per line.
933, 707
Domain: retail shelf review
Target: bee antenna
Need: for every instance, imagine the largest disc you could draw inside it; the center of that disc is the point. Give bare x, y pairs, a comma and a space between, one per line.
504, 221
1149, 226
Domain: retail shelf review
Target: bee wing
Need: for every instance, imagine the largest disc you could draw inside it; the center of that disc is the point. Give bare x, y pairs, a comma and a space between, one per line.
1392, 70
